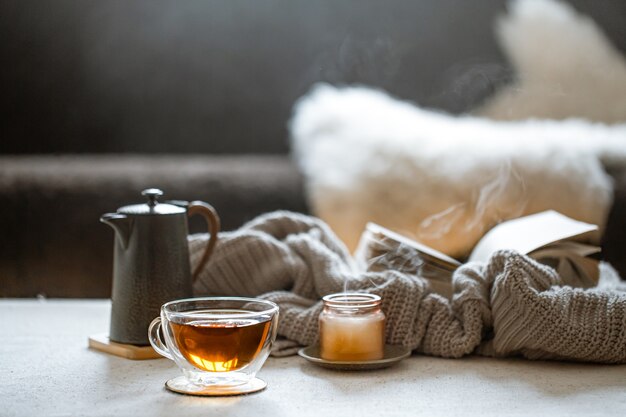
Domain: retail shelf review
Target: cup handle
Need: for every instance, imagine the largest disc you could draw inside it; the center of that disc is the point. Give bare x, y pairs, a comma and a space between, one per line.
154, 336
213, 221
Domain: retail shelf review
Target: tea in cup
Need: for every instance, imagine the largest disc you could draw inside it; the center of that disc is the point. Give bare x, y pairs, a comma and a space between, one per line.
217, 342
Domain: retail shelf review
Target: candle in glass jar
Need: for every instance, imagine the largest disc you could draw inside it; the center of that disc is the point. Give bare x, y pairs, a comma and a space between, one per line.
352, 327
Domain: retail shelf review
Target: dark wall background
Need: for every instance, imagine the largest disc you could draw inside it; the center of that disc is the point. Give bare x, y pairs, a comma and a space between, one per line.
221, 76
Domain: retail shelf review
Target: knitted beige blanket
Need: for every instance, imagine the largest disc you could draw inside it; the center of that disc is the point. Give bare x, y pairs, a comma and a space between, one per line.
511, 305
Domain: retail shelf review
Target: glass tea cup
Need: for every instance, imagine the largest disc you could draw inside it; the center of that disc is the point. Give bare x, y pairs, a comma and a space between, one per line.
216, 341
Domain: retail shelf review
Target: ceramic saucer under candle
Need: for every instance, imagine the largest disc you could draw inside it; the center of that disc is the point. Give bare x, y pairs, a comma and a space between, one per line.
393, 354
181, 385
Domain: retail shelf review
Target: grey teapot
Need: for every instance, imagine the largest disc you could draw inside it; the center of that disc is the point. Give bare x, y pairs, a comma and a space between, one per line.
151, 261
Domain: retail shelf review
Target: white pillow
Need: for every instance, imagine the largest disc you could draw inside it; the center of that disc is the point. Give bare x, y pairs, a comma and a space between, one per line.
443, 179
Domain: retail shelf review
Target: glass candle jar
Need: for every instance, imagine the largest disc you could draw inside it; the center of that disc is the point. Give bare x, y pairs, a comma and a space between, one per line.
352, 327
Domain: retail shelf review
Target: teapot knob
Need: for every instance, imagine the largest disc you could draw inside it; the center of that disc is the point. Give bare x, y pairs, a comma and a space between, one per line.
152, 194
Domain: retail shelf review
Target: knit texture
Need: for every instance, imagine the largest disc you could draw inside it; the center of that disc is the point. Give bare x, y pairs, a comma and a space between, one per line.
510, 305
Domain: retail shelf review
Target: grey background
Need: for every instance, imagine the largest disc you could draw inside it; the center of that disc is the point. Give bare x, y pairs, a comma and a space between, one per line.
153, 79
221, 76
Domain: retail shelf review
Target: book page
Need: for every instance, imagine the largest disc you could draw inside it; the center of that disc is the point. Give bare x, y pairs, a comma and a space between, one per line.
429, 253
568, 246
575, 270
529, 233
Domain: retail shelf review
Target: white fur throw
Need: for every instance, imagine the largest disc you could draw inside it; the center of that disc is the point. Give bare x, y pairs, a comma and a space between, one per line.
565, 65
441, 179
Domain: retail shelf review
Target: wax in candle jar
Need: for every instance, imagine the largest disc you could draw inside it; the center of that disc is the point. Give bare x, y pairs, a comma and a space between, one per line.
352, 338
352, 332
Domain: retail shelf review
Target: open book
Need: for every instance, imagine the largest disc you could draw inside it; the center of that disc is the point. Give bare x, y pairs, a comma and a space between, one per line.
549, 237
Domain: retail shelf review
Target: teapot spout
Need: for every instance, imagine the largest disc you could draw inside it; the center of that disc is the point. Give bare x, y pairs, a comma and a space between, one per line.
120, 223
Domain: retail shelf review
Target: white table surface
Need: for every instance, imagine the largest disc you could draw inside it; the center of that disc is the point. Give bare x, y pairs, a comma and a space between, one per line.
47, 370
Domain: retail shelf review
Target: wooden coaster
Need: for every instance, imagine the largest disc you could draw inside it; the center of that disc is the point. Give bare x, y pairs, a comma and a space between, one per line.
102, 343
181, 385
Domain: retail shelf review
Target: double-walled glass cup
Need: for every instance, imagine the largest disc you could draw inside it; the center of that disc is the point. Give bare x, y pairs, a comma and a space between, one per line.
216, 341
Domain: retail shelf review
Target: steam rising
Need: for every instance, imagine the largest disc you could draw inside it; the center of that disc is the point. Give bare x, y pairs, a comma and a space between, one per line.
376, 253
490, 205
366, 61
399, 257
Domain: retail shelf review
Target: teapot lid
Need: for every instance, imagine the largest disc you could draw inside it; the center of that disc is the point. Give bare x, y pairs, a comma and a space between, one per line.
152, 207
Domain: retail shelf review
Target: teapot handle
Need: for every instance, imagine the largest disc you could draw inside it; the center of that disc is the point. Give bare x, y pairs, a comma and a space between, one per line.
213, 221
